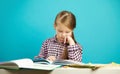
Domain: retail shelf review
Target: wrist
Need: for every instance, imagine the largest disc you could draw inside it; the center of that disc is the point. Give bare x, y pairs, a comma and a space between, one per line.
72, 43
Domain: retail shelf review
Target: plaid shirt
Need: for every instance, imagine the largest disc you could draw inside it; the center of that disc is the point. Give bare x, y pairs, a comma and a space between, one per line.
51, 47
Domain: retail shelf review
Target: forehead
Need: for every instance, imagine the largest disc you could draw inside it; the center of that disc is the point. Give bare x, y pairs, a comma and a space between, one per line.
62, 27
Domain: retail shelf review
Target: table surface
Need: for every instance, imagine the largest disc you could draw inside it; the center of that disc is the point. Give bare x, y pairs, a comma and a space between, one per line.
109, 70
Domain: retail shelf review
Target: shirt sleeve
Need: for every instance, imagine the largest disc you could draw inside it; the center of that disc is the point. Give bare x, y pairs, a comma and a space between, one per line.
75, 52
43, 50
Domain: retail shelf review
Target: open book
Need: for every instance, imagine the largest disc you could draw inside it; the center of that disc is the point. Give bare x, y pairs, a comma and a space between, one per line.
56, 62
43, 64
68, 63
27, 64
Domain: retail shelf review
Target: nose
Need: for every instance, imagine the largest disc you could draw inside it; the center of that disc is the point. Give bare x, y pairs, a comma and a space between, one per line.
63, 34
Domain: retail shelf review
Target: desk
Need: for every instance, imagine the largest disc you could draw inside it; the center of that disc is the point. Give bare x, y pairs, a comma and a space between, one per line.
63, 71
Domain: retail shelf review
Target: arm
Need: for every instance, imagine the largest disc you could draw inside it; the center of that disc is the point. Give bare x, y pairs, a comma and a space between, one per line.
75, 52
43, 51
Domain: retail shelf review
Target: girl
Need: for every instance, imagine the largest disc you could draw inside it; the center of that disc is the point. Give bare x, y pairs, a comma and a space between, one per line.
63, 45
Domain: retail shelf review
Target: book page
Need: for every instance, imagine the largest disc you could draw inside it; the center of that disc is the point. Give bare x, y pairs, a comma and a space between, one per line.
29, 64
42, 61
65, 62
43, 66
9, 65
23, 62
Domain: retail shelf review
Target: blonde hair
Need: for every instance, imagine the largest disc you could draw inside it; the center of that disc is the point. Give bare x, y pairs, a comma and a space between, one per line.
67, 18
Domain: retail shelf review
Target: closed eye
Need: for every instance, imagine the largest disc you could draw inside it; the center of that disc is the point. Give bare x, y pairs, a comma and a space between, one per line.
68, 32
60, 31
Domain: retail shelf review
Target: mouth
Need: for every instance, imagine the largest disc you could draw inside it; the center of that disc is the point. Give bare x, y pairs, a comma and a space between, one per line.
61, 40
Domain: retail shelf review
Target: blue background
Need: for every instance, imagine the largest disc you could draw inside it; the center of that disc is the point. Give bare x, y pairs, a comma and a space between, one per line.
25, 24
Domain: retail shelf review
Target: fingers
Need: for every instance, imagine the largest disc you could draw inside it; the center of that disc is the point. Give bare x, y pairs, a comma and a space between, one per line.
65, 39
35, 57
70, 40
51, 58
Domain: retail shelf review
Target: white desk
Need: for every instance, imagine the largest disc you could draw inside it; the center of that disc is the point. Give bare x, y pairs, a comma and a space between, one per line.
108, 70
63, 71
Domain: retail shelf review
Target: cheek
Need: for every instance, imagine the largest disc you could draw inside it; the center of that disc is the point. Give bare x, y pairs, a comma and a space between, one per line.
58, 34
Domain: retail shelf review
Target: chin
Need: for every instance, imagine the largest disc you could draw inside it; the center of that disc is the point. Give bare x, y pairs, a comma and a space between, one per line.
61, 41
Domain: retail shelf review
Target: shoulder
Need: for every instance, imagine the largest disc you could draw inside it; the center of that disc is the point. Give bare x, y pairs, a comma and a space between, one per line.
78, 44
49, 40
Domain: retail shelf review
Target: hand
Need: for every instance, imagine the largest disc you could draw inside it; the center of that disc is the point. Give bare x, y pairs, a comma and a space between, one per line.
35, 57
70, 40
51, 58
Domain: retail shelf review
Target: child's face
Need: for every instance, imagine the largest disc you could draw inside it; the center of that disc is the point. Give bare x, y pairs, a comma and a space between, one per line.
62, 32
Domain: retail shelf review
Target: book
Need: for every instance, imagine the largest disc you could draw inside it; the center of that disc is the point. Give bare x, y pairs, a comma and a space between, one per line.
27, 63
94, 66
69, 63
56, 62
91, 66
43, 64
